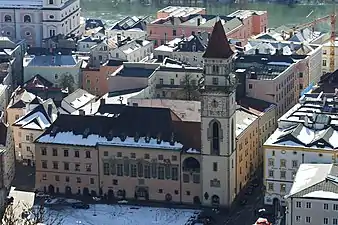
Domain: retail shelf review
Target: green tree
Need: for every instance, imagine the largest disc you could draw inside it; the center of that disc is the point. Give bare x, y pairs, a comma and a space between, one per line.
67, 82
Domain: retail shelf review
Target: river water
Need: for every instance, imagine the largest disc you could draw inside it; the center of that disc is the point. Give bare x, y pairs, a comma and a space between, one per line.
278, 14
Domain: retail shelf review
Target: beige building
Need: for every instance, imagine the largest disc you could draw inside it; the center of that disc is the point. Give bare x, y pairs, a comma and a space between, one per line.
30, 126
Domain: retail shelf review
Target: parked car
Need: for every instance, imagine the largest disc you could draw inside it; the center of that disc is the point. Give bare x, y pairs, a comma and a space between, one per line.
80, 205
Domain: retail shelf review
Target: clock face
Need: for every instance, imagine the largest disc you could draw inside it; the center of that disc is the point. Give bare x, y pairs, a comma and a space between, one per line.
214, 103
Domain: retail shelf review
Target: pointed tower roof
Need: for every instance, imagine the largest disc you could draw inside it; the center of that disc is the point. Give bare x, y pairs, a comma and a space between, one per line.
218, 46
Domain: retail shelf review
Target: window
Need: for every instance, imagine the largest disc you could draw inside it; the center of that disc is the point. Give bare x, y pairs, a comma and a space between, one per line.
214, 166
56, 76
106, 168
88, 167
161, 81
52, 33
335, 221
44, 164
174, 158
282, 174
160, 157
133, 170
270, 186
28, 33
300, 75
44, 177
65, 153
326, 206
271, 162
43, 151
161, 172
188, 193
160, 191
186, 178
174, 173
308, 205
8, 18
174, 32
326, 221
27, 19
51, 2
27, 138
55, 165
87, 154
335, 207
76, 154
282, 163
51, 16
146, 171
119, 170
78, 180
55, 152
105, 153
67, 179
250, 86
271, 173
215, 81
324, 62
294, 163
172, 81
132, 155
298, 204
308, 219
119, 154
66, 166
215, 138
297, 218
301, 86
282, 188
77, 167
115, 182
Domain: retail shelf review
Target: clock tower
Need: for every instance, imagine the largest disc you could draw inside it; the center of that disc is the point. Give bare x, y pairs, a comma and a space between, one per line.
218, 121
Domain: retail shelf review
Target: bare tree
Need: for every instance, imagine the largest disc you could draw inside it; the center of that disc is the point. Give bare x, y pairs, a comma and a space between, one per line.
35, 215
190, 91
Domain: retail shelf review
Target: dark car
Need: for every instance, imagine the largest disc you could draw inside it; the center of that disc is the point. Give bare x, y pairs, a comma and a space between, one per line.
80, 205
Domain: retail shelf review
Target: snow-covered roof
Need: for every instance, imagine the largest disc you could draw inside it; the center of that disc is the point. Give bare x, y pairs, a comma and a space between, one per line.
79, 98
315, 181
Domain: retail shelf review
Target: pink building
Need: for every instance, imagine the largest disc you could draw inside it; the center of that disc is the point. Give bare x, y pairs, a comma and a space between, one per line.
179, 11
241, 24
95, 80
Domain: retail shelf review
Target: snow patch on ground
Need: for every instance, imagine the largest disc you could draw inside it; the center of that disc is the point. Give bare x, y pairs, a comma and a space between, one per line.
124, 215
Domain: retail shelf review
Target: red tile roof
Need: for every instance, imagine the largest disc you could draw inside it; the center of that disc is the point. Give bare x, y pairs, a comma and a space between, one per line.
218, 46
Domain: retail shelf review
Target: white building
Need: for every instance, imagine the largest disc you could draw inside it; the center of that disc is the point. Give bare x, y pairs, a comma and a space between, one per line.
54, 68
327, 56
130, 26
39, 19
313, 198
307, 133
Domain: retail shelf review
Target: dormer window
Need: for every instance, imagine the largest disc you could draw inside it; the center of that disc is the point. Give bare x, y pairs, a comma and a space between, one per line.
27, 19
159, 139
147, 139
194, 48
172, 139
123, 137
137, 137
8, 18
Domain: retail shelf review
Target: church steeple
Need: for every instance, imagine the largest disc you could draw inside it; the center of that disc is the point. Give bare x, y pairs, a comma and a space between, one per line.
218, 46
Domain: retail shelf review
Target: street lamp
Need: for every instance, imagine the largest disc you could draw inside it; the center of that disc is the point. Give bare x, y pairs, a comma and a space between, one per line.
96, 199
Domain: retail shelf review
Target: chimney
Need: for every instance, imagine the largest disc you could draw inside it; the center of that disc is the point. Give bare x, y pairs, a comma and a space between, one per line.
256, 51
102, 101
119, 38
292, 46
306, 121
198, 21
50, 110
81, 112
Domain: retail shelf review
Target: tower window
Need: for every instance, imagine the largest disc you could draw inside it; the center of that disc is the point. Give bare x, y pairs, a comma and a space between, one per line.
215, 138
27, 19
215, 81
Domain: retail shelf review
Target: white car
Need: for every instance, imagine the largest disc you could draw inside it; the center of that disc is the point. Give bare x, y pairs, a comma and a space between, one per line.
42, 195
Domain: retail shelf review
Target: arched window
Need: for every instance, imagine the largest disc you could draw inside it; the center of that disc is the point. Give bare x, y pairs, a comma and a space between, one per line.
232, 135
215, 138
8, 18
27, 19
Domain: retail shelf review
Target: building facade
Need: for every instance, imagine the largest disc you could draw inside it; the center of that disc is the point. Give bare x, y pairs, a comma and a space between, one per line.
37, 20
313, 196
305, 134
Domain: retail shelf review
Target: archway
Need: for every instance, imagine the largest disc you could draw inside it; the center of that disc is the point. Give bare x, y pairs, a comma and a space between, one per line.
68, 190
191, 164
110, 194
51, 189
85, 192
215, 200
197, 200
